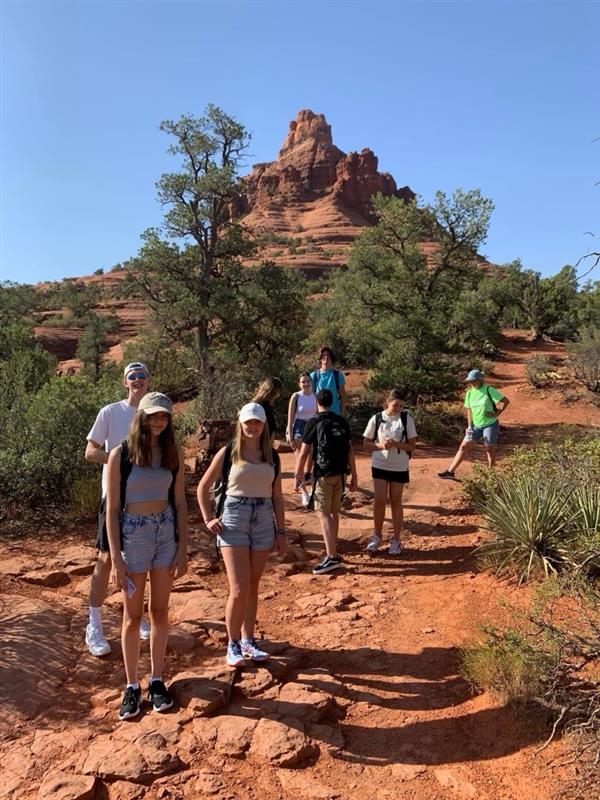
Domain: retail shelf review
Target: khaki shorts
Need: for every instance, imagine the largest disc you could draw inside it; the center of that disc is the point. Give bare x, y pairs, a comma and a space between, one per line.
328, 493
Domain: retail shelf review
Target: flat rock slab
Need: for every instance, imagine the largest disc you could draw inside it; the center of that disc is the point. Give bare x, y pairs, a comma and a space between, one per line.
202, 695
60, 786
302, 786
450, 780
140, 761
196, 605
35, 656
282, 743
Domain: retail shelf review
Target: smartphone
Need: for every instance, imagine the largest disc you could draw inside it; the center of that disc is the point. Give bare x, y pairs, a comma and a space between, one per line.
130, 587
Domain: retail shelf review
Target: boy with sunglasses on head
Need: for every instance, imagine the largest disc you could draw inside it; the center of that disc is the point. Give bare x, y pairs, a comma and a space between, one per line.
110, 428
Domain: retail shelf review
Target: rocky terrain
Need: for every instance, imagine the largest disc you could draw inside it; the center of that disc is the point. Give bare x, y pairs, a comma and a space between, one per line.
361, 699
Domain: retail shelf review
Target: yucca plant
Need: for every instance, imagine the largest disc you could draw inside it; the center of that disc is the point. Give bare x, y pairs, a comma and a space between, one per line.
585, 540
531, 525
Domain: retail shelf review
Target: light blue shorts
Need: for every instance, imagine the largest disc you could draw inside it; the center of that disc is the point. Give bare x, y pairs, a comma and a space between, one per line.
148, 542
489, 434
247, 522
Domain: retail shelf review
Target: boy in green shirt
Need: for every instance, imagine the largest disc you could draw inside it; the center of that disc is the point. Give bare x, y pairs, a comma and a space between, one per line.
484, 405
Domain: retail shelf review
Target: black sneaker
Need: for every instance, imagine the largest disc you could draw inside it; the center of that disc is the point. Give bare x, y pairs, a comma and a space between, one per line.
130, 705
328, 564
159, 696
446, 474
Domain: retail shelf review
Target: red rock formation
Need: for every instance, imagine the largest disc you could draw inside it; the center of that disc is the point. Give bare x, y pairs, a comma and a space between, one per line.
315, 194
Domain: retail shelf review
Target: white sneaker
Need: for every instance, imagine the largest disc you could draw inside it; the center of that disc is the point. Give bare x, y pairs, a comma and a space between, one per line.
96, 643
395, 547
144, 629
234, 657
305, 498
374, 543
251, 650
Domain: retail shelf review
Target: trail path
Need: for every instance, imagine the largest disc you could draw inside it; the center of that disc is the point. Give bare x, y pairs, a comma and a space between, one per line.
363, 698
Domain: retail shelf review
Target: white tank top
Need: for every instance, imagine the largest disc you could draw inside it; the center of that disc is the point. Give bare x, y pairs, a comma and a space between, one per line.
306, 405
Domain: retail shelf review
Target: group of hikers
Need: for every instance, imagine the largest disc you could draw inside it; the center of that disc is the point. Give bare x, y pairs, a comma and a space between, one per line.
142, 519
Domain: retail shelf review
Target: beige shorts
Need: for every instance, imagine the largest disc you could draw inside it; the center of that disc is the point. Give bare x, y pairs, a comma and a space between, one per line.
328, 493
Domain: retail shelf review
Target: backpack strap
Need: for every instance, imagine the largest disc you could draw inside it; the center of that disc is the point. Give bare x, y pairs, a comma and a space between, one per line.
336, 378
126, 467
314, 379
404, 420
276, 463
224, 480
378, 421
494, 406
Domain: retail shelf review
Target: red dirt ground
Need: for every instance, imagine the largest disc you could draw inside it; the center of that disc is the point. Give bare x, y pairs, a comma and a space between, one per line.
403, 724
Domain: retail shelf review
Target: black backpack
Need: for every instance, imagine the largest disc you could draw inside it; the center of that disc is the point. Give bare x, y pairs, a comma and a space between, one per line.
403, 419
314, 379
220, 486
127, 466
330, 452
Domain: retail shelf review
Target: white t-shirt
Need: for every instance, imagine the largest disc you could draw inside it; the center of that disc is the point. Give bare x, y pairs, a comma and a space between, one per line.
111, 427
391, 428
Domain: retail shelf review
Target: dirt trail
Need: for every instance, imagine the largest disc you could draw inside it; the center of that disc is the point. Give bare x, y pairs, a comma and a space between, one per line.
363, 697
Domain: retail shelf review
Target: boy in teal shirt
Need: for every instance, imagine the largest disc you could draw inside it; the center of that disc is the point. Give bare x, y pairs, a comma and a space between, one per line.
484, 405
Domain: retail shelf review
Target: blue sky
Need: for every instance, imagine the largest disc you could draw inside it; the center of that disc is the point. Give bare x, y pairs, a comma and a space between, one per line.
497, 95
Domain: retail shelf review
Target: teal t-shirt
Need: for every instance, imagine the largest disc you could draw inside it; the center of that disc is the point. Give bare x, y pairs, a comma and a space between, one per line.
326, 380
479, 400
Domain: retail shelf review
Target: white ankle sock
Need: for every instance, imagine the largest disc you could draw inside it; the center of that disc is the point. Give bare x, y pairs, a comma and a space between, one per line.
96, 617
152, 679
133, 685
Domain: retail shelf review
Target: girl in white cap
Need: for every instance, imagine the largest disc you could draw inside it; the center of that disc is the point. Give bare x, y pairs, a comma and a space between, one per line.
251, 526
147, 533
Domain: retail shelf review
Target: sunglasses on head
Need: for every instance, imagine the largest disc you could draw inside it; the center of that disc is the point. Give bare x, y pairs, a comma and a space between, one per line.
137, 376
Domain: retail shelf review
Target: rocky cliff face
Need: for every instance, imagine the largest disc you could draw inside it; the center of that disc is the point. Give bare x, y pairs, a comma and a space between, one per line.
314, 199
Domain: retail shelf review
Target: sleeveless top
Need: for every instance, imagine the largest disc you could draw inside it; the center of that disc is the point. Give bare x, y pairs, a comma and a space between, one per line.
306, 406
148, 484
251, 480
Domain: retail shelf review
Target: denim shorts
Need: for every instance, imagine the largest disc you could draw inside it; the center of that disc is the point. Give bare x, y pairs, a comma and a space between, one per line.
298, 429
148, 542
247, 522
489, 434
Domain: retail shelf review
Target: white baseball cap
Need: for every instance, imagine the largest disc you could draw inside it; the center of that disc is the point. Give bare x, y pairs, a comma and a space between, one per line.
134, 365
252, 411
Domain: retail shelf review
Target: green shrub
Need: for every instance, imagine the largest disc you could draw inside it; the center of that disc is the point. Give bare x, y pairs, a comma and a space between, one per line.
584, 357
479, 485
531, 525
539, 371
507, 664
85, 496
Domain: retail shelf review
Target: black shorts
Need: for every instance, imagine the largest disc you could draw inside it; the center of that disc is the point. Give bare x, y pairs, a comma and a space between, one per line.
390, 475
102, 533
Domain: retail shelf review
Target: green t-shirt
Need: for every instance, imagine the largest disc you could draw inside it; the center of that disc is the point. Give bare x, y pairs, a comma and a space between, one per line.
479, 400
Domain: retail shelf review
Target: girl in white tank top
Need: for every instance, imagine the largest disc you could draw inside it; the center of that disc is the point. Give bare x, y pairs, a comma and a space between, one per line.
302, 407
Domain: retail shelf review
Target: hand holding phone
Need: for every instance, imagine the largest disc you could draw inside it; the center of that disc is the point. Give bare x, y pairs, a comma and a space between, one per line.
129, 586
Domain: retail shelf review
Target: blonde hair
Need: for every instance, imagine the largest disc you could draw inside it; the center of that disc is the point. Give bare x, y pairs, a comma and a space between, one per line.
139, 443
269, 389
265, 445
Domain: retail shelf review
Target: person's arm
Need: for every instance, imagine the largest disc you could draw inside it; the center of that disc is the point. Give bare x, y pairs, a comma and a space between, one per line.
502, 404
292, 405
95, 453
212, 474
113, 512
279, 511
409, 445
180, 562
352, 464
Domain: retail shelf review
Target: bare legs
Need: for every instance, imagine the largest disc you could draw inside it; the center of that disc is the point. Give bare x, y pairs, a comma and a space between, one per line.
465, 449
133, 608
100, 578
383, 490
330, 523
244, 570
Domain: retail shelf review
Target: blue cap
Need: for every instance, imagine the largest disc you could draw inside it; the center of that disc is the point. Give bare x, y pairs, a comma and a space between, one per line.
474, 375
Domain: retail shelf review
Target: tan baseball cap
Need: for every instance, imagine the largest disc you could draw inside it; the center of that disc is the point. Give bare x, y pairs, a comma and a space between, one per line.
154, 402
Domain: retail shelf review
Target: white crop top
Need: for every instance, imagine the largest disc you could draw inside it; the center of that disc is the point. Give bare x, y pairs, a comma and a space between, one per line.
306, 406
251, 480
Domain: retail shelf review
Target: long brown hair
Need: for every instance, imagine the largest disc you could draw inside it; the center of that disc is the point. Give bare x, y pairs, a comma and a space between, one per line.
269, 389
265, 445
139, 442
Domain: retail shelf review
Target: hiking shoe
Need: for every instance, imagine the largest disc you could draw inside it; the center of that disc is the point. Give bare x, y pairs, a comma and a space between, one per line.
145, 629
395, 548
159, 696
305, 498
374, 543
446, 474
250, 649
130, 705
328, 564
234, 657
96, 643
